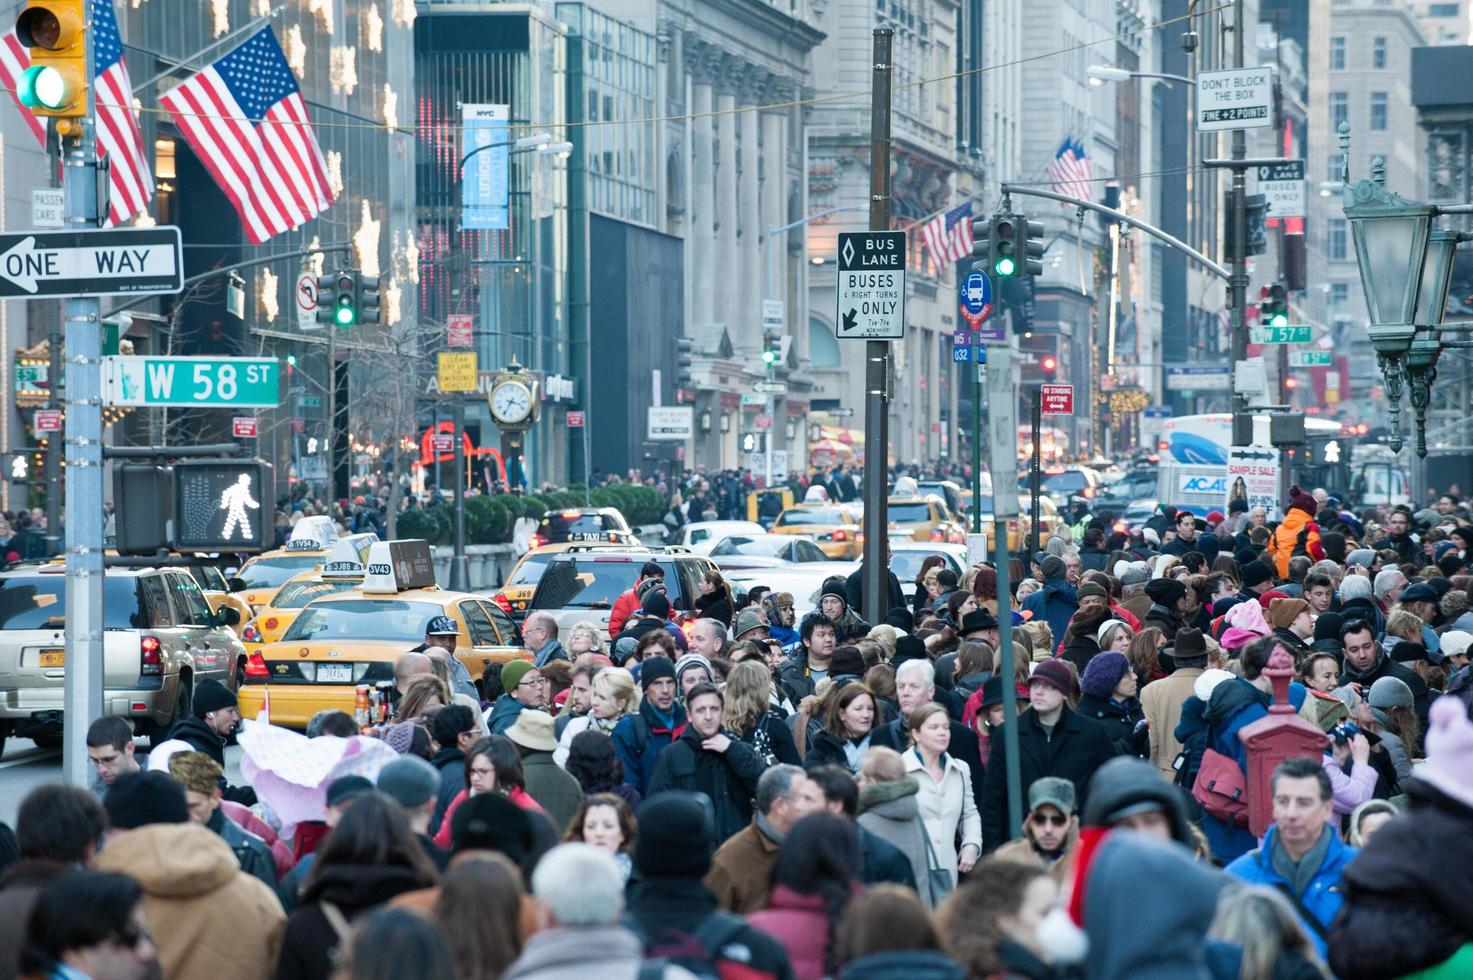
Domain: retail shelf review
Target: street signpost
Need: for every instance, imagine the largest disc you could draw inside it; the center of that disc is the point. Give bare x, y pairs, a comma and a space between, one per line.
48, 207
871, 286
1237, 98
1194, 377
774, 316
762, 422
199, 382
461, 330
976, 303
575, 420
1056, 400
1292, 334
1282, 185
671, 423
305, 298
457, 371
961, 347
91, 263
771, 387
243, 427
1311, 358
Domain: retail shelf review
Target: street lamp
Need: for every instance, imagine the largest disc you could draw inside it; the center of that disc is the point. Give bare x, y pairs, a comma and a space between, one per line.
1100, 74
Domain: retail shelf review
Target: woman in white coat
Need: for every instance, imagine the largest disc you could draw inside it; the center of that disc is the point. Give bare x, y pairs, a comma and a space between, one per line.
613, 696
946, 802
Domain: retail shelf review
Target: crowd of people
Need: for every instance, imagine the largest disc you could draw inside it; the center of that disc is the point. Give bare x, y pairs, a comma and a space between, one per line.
749, 794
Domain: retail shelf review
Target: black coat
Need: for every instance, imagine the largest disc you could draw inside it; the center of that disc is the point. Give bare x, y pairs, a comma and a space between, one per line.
451, 763
354, 889
1080, 651
963, 748
203, 738
1118, 723
714, 606
825, 749
778, 736
1386, 667
1078, 747
1165, 620
728, 779
1406, 894
854, 587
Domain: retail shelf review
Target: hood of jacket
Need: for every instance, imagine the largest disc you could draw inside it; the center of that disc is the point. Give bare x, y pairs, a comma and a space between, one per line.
359, 886
564, 949
172, 860
1159, 934
895, 800
1060, 587
505, 708
196, 732
1122, 782
908, 964
1230, 697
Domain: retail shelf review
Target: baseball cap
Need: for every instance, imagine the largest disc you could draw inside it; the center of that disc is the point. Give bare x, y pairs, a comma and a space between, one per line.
442, 626
1052, 791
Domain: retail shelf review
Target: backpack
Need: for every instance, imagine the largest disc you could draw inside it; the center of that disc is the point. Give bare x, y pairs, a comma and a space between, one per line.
1222, 789
700, 951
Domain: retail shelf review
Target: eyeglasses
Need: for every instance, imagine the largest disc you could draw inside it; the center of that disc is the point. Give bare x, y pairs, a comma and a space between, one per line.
533, 681
1043, 820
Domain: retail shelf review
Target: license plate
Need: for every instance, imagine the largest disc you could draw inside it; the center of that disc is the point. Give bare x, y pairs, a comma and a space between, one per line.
334, 673
53, 658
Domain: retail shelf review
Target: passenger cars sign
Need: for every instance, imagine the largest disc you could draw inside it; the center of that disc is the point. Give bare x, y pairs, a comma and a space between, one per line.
1239, 98
871, 286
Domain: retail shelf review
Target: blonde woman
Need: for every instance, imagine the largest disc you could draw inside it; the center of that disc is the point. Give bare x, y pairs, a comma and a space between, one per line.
748, 712
583, 638
614, 696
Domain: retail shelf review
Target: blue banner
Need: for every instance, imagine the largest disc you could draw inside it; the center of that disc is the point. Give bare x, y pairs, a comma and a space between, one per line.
485, 173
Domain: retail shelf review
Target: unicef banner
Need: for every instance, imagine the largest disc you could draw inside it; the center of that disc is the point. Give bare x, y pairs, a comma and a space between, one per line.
485, 167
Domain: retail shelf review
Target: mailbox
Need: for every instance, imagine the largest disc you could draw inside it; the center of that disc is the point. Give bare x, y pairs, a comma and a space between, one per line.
1281, 734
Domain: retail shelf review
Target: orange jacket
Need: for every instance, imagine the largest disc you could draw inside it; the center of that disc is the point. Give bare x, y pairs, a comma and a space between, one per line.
1285, 540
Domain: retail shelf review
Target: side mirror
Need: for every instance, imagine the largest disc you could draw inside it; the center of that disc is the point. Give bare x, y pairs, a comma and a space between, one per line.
235, 584
227, 616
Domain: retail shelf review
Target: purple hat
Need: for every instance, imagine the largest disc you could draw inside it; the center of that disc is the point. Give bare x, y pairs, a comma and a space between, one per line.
1102, 673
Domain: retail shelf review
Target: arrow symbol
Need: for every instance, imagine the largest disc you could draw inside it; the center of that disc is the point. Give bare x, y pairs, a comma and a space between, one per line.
15, 267
850, 319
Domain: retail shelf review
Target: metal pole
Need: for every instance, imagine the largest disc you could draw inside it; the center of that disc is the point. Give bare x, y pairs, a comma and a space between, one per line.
84, 521
978, 352
877, 352
459, 564
54, 448
1002, 411
1238, 280
332, 412
1035, 471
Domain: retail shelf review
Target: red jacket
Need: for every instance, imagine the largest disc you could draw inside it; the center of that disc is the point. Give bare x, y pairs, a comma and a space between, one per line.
801, 924
624, 607
517, 795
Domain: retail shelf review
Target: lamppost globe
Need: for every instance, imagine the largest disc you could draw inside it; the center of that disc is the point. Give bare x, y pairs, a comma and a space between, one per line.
1100, 74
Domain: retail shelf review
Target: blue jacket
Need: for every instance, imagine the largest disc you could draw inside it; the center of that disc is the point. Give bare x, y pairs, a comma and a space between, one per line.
1235, 704
640, 738
1322, 898
1055, 603
503, 714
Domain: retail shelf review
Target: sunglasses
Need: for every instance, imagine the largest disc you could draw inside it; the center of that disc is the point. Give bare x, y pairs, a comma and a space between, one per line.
1044, 820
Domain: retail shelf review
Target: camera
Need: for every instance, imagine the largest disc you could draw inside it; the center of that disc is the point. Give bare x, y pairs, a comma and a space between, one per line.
1344, 732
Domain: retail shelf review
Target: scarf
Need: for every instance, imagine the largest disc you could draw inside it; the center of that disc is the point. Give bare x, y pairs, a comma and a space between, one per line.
1360, 675
1301, 875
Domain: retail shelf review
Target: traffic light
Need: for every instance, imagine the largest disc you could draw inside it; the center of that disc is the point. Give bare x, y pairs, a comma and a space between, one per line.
55, 84
345, 302
1004, 242
684, 358
327, 298
1278, 306
366, 291
1030, 234
223, 505
143, 492
771, 348
1049, 364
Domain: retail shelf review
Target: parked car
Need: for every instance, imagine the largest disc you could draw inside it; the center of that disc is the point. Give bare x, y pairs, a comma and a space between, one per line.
582, 583
702, 536
582, 526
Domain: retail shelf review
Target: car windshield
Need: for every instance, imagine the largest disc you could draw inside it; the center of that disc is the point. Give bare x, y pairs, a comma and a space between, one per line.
586, 582
268, 573
751, 546
1065, 482
393, 620
529, 572
907, 564
556, 528
38, 602
812, 515
295, 595
912, 513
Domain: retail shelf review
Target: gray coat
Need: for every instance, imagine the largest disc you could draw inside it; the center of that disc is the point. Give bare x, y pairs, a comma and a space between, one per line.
607, 952
892, 812
558, 793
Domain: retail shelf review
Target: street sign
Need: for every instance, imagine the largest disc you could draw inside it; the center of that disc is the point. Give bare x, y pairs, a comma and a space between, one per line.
976, 296
1238, 98
757, 463
222, 505
774, 316
1002, 434
243, 427
575, 420
457, 371
1206, 377
48, 420
1056, 399
310, 401
305, 297
961, 355
762, 422
48, 209
674, 423
461, 329
299, 426
1253, 475
871, 286
233, 382
1293, 334
1153, 423
442, 442
91, 263
1282, 185
752, 400
1311, 358
771, 387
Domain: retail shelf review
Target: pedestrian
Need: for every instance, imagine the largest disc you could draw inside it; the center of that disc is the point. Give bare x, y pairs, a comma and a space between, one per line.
200, 777
1057, 601
1109, 697
1050, 829
413, 783
628, 602
810, 663
1293, 625
833, 602
1162, 700
887, 934
915, 685
1389, 713
216, 717
639, 738
388, 943
370, 857
817, 871
750, 712
442, 634
88, 924
1169, 607
612, 697
1297, 533
844, 736
540, 639
741, 870
111, 751
990, 926
555, 791
947, 806
715, 601
525, 688
493, 765
711, 761
481, 906
455, 729
1258, 935
1125, 793
607, 822
425, 693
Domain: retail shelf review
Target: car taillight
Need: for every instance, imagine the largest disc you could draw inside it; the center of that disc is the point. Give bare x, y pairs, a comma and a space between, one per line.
250, 634
839, 536
149, 659
1087, 492
256, 666
538, 541
501, 601
271, 623
937, 534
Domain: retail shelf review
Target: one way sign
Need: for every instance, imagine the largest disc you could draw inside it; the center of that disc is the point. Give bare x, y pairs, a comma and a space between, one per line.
102, 262
871, 285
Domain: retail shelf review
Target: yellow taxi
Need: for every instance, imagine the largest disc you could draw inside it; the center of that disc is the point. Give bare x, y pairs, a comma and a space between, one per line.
766, 504
347, 639
516, 592
835, 528
341, 570
923, 519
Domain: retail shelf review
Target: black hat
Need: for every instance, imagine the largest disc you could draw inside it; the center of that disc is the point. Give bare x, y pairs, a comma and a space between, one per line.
901, 619
1327, 626
442, 626
491, 822
1245, 555
1053, 567
1189, 645
847, 662
211, 695
655, 668
1419, 592
1406, 652
676, 832
1256, 573
992, 691
978, 619
346, 788
908, 648
142, 798
834, 586
657, 604
1165, 591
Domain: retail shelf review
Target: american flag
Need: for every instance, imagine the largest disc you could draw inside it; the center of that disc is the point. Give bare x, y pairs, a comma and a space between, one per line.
246, 120
1069, 170
948, 236
130, 181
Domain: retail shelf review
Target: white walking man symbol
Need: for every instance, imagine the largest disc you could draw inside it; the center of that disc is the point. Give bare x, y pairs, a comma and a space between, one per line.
234, 502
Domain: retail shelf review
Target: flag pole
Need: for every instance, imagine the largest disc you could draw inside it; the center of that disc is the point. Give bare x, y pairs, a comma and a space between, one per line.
175, 64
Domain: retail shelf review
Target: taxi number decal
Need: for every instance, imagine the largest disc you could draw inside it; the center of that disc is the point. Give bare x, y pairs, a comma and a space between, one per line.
380, 568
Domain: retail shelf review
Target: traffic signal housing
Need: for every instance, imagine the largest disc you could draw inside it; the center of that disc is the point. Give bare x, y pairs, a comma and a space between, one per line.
55, 84
1278, 306
1030, 248
771, 348
223, 505
327, 298
367, 297
1003, 258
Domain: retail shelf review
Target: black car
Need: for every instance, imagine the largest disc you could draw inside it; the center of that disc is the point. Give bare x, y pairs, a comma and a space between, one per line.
593, 524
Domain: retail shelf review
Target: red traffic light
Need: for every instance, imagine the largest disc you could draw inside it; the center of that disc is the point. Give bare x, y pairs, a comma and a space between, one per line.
1049, 364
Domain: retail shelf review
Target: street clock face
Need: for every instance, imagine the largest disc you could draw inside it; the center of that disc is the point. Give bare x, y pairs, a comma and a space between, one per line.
511, 403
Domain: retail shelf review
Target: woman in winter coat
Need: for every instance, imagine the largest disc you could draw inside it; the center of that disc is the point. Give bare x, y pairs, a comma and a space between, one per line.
849, 720
749, 712
613, 696
888, 808
1109, 697
493, 765
370, 857
947, 806
886, 934
816, 874
715, 601
1297, 534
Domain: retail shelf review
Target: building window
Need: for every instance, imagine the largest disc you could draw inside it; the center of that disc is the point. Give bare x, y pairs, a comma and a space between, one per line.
1335, 248
1378, 53
1339, 109
1442, 10
1337, 54
1378, 111
1339, 294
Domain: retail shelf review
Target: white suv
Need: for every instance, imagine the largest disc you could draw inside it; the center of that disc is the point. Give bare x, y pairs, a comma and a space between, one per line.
159, 637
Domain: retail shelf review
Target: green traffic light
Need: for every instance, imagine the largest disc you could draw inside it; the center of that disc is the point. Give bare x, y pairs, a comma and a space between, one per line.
344, 316
291, 360
42, 87
1279, 320
1004, 267
769, 356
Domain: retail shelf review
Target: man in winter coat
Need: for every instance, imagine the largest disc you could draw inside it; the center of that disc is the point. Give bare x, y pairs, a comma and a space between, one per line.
890, 592
707, 760
557, 792
207, 916
809, 664
215, 718
1168, 606
1050, 829
880, 861
1052, 741
1400, 538
1189, 538
200, 777
674, 914
628, 602
741, 871
641, 737
1365, 662
1161, 700
1056, 601
1302, 856
1127, 793
833, 602
1297, 534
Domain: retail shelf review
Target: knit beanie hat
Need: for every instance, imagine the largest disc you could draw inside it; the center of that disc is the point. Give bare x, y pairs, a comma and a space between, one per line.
1102, 673
653, 669
847, 662
1455, 643
1360, 556
1165, 591
1053, 567
1248, 616
1094, 589
694, 661
675, 836
142, 798
211, 695
1327, 626
513, 673
1207, 682
834, 586
1299, 500
1056, 674
657, 604
1134, 573
491, 822
901, 619
1256, 572
1449, 741
1390, 692
1283, 612
400, 736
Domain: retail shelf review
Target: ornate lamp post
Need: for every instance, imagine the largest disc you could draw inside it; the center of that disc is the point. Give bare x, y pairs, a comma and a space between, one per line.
1421, 358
